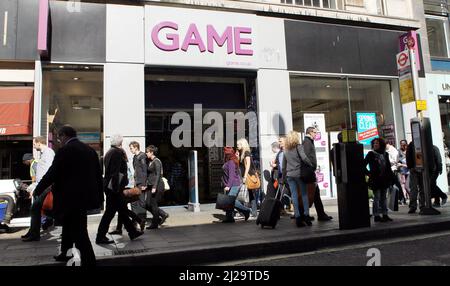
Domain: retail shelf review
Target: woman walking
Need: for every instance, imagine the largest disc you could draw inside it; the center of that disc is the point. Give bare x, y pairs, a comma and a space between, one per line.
292, 161
247, 168
155, 187
380, 178
231, 180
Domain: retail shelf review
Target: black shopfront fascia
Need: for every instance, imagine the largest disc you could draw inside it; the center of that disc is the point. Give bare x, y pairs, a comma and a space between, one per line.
327, 48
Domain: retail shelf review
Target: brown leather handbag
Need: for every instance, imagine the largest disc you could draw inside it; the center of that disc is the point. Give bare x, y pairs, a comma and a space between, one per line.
132, 194
253, 182
311, 190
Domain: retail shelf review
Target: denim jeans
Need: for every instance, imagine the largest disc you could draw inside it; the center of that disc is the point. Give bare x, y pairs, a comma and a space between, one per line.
234, 191
380, 202
295, 183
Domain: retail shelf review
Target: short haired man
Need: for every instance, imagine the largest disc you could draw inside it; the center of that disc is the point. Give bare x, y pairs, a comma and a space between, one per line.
310, 151
44, 163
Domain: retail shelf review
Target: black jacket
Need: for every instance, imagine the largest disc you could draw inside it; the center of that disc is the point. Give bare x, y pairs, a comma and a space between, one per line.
155, 171
436, 166
76, 177
115, 162
380, 177
310, 150
140, 169
411, 156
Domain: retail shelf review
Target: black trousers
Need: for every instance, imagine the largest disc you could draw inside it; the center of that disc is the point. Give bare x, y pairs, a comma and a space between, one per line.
436, 192
74, 230
151, 204
115, 203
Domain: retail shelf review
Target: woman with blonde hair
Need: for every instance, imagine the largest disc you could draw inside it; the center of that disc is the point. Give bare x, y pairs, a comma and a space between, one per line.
247, 168
292, 160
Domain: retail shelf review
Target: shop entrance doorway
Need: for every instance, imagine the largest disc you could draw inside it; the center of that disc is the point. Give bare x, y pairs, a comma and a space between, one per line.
168, 94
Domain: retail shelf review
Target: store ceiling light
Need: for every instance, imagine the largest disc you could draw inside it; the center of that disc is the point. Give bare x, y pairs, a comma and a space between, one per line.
61, 67
328, 86
76, 78
86, 68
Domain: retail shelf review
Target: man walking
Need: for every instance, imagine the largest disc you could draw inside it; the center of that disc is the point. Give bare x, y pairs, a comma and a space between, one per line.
44, 163
435, 171
77, 188
310, 151
115, 182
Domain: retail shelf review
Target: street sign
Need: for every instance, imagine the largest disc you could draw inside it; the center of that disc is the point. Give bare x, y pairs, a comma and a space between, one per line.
403, 61
421, 105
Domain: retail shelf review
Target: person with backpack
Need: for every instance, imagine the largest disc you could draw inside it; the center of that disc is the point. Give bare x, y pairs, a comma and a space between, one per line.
380, 178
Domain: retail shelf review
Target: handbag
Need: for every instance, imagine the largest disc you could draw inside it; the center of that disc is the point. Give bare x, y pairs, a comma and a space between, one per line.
47, 205
393, 198
166, 184
132, 194
307, 171
253, 182
243, 195
225, 202
310, 190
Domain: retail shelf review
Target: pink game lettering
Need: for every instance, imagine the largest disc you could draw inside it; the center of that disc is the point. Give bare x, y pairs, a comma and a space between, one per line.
165, 37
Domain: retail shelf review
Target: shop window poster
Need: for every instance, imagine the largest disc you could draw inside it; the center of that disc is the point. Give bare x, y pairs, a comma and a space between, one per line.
366, 127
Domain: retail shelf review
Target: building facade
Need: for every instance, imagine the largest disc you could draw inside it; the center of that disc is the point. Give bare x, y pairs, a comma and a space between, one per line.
134, 68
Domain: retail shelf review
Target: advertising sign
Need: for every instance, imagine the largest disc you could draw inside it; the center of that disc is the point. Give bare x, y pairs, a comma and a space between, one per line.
200, 38
409, 40
406, 88
367, 127
322, 145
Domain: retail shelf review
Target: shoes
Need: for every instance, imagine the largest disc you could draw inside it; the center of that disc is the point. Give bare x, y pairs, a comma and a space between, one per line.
377, 218
386, 218
28, 234
31, 238
117, 232
142, 225
300, 222
230, 219
310, 218
47, 224
444, 201
324, 218
246, 215
411, 210
104, 240
152, 226
436, 205
163, 219
135, 235
62, 257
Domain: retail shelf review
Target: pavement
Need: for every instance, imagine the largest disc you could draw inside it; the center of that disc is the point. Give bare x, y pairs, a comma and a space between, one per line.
189, 238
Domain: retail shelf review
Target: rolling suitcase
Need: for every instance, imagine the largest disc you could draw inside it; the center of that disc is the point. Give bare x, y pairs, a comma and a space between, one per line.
270, 211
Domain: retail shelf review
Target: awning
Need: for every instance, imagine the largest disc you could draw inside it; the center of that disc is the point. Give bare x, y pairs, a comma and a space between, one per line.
16, 110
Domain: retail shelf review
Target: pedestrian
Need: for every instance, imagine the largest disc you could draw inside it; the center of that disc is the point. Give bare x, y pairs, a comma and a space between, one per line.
155, 188
435, 171
247, 169
394, 160
115, 181
77, 188
45, 161
277, 175
415, 181
292, 161
231, 180
310, 151
380, 178
138, 212
403, 171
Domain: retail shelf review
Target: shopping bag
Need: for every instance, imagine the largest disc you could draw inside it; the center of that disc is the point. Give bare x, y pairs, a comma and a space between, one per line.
243, 195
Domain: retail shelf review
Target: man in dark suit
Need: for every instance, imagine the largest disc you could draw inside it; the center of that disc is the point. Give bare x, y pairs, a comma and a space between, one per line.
77, 187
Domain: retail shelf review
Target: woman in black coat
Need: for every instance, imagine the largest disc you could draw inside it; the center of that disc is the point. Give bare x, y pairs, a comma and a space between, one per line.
380, 178
155, 187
